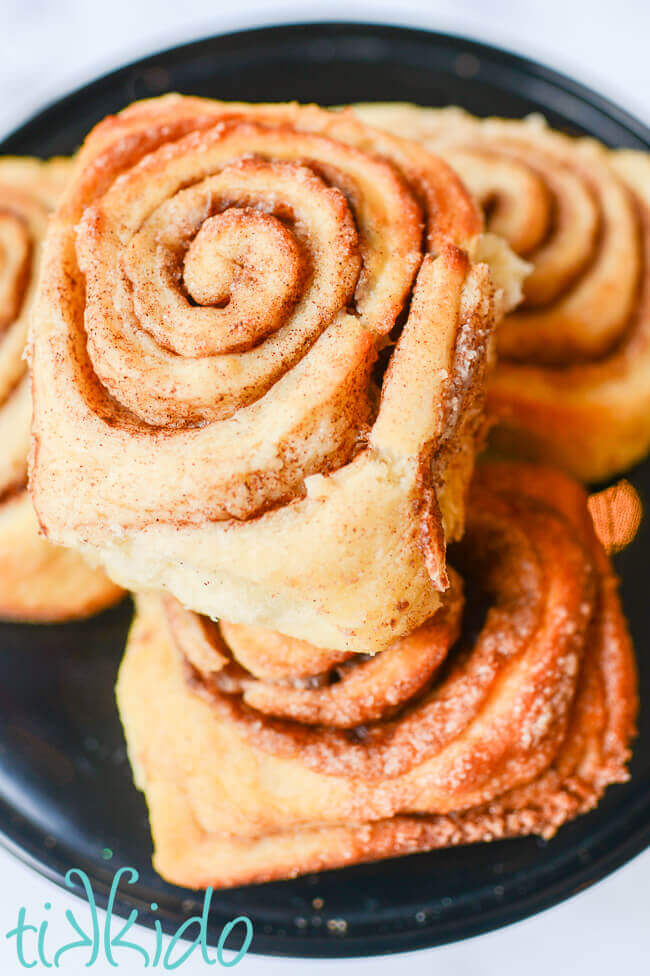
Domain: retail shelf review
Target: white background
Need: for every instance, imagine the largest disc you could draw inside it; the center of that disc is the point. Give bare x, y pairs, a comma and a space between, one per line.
49, 46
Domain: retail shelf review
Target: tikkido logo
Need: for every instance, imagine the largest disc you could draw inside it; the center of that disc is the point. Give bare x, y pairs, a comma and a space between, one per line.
102, 940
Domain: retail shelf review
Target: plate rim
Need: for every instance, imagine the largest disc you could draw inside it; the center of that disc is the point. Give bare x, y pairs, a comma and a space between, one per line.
552, 76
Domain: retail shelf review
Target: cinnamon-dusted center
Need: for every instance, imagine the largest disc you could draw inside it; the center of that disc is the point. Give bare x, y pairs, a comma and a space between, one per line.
250, 267
234, 275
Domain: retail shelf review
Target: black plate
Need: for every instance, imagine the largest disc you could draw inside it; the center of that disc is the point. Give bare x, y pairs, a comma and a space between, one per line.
66, 793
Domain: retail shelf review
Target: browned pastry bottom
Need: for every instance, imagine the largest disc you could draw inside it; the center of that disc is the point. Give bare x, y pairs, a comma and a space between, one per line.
260, 761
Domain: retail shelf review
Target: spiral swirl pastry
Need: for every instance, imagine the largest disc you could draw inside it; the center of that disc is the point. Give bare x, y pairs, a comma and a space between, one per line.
263, 758
258, 358
38, 582
572, 386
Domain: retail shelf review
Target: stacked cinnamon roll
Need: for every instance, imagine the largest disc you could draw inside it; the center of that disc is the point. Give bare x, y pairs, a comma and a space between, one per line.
572, 384
258, 363
260, 352
263, 757
38, 582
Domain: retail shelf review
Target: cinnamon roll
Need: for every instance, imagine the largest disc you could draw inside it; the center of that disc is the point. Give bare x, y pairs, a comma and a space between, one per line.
262, 759
259, 353
572, 385
38, 582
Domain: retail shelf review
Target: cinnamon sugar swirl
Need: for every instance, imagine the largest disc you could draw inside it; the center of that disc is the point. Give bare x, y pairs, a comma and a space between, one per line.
262, 760
38, 582
259, 356
572, 386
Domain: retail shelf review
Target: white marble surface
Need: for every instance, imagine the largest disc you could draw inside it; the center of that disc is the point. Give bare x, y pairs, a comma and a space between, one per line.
48, 47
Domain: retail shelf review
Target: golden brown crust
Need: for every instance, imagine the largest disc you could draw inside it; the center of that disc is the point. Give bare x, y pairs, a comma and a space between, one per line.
42, 583
572, 386
519, 730
38, 582
220, 282
616, 512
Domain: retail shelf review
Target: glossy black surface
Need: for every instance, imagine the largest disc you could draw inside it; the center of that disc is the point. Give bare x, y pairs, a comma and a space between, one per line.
66, 797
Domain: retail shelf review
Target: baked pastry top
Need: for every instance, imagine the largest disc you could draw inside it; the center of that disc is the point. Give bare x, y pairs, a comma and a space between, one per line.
259, 355
572, 383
